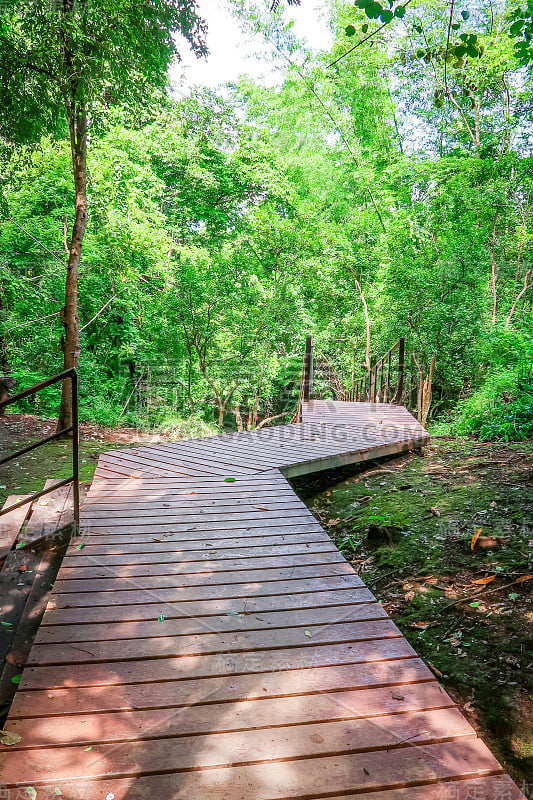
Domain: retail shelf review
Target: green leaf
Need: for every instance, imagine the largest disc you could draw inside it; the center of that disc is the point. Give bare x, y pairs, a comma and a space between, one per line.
16, 678
516, 27
161, 618
472, 51
456, 26
465, 14
349, 30
31, 792
86, 749
460, 51
364, 27
374, 10
229, 480
386, 16
475, 604
80, 546
399, 12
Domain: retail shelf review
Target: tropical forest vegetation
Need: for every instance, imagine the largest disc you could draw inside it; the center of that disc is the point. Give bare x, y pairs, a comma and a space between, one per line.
178, 247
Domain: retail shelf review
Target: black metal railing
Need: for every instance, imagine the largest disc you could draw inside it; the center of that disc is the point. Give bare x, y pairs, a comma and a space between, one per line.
69, 374
385, 381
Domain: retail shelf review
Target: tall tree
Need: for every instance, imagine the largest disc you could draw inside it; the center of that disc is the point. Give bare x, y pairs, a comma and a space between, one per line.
61, 63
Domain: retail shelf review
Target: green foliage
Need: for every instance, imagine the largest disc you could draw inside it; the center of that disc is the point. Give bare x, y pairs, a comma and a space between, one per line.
502, 408
221, 231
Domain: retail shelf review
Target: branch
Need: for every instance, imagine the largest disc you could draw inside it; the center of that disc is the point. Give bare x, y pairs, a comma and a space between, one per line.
98, 314
31, 321
519, 296
36, 240
362, 41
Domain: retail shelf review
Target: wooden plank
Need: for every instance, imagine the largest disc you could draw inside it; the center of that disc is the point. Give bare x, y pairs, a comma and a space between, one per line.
205, 565
207, 666
159, 553
204, 608
376, 704
359, 772
294, 741
184, 626
301, 683
207, 642
226, 581
11, 524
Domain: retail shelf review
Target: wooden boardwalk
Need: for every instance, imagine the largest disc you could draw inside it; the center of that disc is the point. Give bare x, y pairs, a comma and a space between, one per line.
207, 641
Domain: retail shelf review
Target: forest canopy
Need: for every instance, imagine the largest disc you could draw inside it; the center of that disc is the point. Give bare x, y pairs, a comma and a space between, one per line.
381, 189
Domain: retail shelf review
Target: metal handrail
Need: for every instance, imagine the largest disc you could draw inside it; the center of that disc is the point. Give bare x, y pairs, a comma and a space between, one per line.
306, 381
367, 388
72, 375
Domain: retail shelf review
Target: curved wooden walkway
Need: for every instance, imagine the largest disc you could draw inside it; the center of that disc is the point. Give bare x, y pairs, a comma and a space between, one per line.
207, 641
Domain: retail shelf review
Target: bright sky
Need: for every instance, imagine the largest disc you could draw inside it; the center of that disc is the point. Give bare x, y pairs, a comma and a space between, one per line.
232, 53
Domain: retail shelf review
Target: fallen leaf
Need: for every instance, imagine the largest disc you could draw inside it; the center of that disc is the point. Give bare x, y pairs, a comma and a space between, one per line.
80, 546
492, 505
307, 633
23, 568
16, 678
58, 791
420, 625
435, 511
229, 480
9, 738
31, 792
161, 618
262, 508
410, 595
12, 659
475, 537
475, 604
524, 578
398, 696
484, 581
333, 521
86, 749
6, 624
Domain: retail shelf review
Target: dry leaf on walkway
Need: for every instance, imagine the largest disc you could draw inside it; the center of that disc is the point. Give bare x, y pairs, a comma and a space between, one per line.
9, 738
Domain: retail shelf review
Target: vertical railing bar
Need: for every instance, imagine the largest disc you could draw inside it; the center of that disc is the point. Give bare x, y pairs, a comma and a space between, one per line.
401, 364
75, 452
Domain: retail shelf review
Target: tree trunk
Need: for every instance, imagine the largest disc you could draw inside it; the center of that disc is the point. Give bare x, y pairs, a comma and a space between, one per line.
70, 341
367, 323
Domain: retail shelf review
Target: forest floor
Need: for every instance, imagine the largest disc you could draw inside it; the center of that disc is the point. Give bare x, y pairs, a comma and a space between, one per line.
444, 539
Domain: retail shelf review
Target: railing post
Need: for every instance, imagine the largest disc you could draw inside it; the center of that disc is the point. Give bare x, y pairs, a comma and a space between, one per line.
75, 452
308, 368
401, 365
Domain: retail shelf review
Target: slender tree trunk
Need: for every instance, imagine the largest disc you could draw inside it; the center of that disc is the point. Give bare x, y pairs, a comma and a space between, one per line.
493, 272
70, 341
367, 323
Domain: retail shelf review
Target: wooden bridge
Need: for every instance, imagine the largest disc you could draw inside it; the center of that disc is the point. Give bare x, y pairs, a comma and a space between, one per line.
207, 641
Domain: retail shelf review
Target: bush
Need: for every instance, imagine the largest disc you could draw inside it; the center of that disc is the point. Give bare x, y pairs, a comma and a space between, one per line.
502, 408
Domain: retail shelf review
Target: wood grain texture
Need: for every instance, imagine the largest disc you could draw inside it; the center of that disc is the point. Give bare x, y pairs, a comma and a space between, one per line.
205, 639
